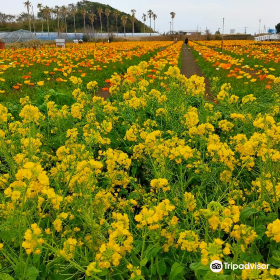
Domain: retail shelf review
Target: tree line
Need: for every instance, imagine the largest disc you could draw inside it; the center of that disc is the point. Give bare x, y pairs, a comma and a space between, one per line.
80, 17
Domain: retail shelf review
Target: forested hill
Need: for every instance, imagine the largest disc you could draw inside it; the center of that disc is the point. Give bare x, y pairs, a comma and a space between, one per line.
54, 18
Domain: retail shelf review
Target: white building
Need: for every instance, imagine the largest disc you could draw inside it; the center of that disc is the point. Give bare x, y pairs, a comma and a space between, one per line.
268, 37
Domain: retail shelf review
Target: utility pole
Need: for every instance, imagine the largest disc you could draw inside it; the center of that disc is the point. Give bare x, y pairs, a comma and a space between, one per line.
260, 27
245, 29
33, 21
264, 29
170, 26
222, 47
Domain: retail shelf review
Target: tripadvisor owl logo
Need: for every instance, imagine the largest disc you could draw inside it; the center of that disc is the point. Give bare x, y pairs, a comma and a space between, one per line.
216, 266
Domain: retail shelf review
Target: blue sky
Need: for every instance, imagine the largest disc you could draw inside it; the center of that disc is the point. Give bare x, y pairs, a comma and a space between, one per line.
190, 14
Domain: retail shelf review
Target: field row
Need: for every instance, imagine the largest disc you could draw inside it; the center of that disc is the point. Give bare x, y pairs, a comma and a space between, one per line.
35, 70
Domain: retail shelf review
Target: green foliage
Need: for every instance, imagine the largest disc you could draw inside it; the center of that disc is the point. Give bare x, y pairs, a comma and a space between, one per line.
277, 27
90, 7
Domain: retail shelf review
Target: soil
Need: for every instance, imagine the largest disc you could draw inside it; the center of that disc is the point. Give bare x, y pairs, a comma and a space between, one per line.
103, 93
190, 67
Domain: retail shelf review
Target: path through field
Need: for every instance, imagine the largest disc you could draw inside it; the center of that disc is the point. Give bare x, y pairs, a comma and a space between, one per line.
190, 67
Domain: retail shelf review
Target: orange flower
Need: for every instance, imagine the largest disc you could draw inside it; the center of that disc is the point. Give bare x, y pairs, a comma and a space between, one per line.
268, 87
26, 77
16, 87
59, 80
107, 81
105, 89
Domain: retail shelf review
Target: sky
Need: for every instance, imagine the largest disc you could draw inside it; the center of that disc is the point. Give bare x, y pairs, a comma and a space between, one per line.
190, 14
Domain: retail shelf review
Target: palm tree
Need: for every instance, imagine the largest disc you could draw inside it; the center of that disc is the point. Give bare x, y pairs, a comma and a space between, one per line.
172, 17
100, 12
154, 17
92, 18
27, 4
47, 13
33, 17
116, 15
40, 6
107, 13
64, 12
133, 20
150, 14
84, 12
56, 11
144, 17
124, 21
73, 11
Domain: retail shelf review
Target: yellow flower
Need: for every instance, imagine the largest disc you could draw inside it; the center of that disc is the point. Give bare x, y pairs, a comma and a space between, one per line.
41, 83
92, 85
273, 230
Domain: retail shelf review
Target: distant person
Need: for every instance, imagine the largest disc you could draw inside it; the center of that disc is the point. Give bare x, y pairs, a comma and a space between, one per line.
186, 41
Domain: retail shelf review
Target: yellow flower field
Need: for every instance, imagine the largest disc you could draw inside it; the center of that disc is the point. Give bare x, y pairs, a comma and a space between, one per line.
155, 182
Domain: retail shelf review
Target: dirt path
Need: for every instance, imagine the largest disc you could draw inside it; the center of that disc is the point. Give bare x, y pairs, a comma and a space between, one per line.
190, 67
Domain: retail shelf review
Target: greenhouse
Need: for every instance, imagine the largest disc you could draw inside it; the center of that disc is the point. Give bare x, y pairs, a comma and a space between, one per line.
18, 36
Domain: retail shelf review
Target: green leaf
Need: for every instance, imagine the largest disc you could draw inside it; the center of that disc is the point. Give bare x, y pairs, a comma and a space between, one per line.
153, 252
176, 269
247, 212
32, 273
144, 262
198, 266
36, 258
161, 267
5, 276
104, 272
275, 259
153, 269
145, 272
260, 230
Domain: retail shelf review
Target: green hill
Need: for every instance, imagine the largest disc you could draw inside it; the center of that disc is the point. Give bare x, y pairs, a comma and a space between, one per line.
92, 7
11, 23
